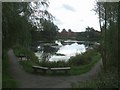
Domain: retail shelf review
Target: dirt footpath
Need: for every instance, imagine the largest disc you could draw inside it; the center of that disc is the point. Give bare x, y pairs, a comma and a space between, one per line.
27, 80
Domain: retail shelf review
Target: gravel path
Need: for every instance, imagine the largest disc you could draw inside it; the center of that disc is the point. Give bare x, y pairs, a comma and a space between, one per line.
27, 80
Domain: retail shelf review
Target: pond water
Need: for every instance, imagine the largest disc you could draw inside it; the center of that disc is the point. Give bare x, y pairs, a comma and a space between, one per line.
59, 51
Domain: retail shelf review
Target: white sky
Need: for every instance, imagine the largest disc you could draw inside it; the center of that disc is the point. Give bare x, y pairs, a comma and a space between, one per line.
74, 14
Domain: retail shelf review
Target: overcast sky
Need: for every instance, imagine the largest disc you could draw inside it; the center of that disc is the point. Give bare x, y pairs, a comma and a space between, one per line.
74, 14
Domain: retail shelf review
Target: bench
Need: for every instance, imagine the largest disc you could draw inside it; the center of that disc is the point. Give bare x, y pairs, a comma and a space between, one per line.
21, 56
35, 68
44, 69
66, 69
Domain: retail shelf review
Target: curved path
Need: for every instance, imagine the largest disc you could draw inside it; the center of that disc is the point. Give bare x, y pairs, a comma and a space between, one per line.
27, 80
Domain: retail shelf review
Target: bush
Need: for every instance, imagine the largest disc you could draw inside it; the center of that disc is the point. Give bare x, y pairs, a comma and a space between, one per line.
33, 60
27, 65
54, 64
83, 58
78, 60
18, 49
108, 80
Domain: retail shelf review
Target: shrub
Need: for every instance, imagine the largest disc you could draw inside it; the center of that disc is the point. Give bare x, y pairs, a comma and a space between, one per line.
18, 49
108, 80
53, 64
83, 58
27, 65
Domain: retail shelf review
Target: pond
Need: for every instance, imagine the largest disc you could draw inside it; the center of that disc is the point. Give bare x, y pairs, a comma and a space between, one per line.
59, 50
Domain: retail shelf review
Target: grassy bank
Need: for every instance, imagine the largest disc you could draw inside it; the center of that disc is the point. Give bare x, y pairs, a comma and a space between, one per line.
7, 80
79, 64
75, 70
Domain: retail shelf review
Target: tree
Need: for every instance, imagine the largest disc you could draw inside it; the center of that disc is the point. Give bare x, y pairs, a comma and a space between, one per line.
38, 12
89, 35
18, 22
108, 14
50, 30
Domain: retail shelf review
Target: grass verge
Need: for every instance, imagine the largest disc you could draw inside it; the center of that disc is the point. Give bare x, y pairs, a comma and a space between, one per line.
75, 70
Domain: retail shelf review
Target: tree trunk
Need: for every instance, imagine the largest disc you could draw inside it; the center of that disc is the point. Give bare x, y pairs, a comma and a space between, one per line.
105, 38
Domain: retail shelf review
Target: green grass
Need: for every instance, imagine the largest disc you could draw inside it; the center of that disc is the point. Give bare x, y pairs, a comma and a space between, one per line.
27, 65
75, 70
7, 80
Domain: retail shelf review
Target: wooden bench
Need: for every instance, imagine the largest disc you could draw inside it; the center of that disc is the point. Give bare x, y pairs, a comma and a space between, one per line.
66, 69
44, 69
35, 68
21, 56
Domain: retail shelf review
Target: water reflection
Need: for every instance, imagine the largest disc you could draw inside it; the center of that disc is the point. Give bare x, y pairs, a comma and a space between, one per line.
60, 51
72, 49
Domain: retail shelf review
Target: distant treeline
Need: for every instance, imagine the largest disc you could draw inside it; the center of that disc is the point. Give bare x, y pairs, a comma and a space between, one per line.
89, 35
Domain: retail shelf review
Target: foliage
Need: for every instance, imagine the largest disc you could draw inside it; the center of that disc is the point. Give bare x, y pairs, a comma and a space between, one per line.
15, 27
18, 49
41, 13
109, 79
31, 60
66, 35
108, 19
75, 70
53, 64
89, 35
27, 65
83, 58
19, 20
104, 80
7, 80
48, 32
